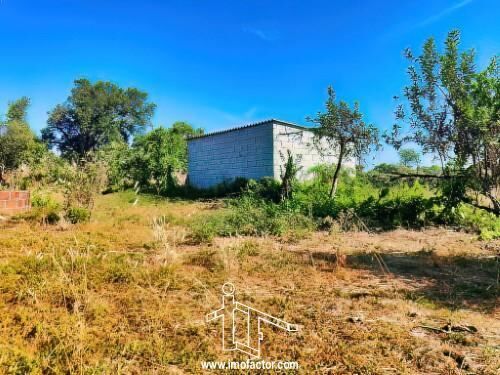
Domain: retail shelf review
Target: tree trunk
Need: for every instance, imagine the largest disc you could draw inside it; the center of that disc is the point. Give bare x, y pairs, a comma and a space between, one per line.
496, 203
333, 189
2, 171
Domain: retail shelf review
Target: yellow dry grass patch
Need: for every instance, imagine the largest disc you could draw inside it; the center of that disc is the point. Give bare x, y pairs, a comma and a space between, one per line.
127, 293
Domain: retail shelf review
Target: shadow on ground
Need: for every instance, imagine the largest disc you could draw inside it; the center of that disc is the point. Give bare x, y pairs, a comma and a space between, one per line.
445, 281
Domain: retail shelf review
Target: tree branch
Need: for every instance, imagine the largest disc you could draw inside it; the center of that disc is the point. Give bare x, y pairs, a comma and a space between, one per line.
420, 175
485, 208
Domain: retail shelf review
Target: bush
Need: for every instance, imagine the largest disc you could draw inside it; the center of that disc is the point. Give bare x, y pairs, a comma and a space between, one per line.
256, 216
405, 204
267, 188
485, 224
203, 230
251, 216
52, 218
410, 204
398, 211
44, 210
118, 272
313, 197
224, 189
82, 182
247, 249
77, 215
47, 170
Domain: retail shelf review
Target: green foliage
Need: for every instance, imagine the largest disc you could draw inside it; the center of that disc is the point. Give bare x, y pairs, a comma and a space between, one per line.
344, 131
266, 188
254, 216
95, 115
46, 171
409, 158
389, 175
247, 249
225, 189
258, 210
413, 204
322, 173
18, 144
44, 210
152, 162
410, 204
314, 196
203, 230
43, 201
251, 216
383, 175
80, 184
116, 156
453, 112
289, 174
479, 221
185, 130
77, 215
156, 156
18, 110
400, 211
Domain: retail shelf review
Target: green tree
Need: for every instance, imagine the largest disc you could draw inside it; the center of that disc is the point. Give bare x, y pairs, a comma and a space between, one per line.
95, 115
409, 158
289, 170
345, 133
116, 156
18, 110
452, 111
482, 133
185, 129
18, 144
157, 156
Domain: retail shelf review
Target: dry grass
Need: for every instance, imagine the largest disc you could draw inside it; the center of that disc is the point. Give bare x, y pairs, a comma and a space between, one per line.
126, 293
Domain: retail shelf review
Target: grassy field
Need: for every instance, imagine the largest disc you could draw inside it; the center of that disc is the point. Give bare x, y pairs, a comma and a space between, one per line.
128, 292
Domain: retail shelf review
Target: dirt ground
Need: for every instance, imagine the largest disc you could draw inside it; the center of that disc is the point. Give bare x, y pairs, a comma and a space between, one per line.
128, 293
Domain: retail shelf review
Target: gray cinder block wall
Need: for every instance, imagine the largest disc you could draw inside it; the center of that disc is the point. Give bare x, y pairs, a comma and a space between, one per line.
253, 151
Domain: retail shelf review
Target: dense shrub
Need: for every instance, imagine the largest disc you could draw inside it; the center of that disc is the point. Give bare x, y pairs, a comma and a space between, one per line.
44, 210
398, 212
257, 209
224, 189
485, 224
43, 201
249, 215
77, 215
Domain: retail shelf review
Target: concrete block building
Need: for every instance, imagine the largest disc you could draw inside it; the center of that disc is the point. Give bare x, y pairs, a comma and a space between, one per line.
252, 151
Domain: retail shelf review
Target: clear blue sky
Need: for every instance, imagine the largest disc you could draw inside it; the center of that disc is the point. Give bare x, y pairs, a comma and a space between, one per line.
218, 64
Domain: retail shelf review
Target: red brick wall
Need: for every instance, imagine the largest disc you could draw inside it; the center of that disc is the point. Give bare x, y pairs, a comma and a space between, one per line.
13, 202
